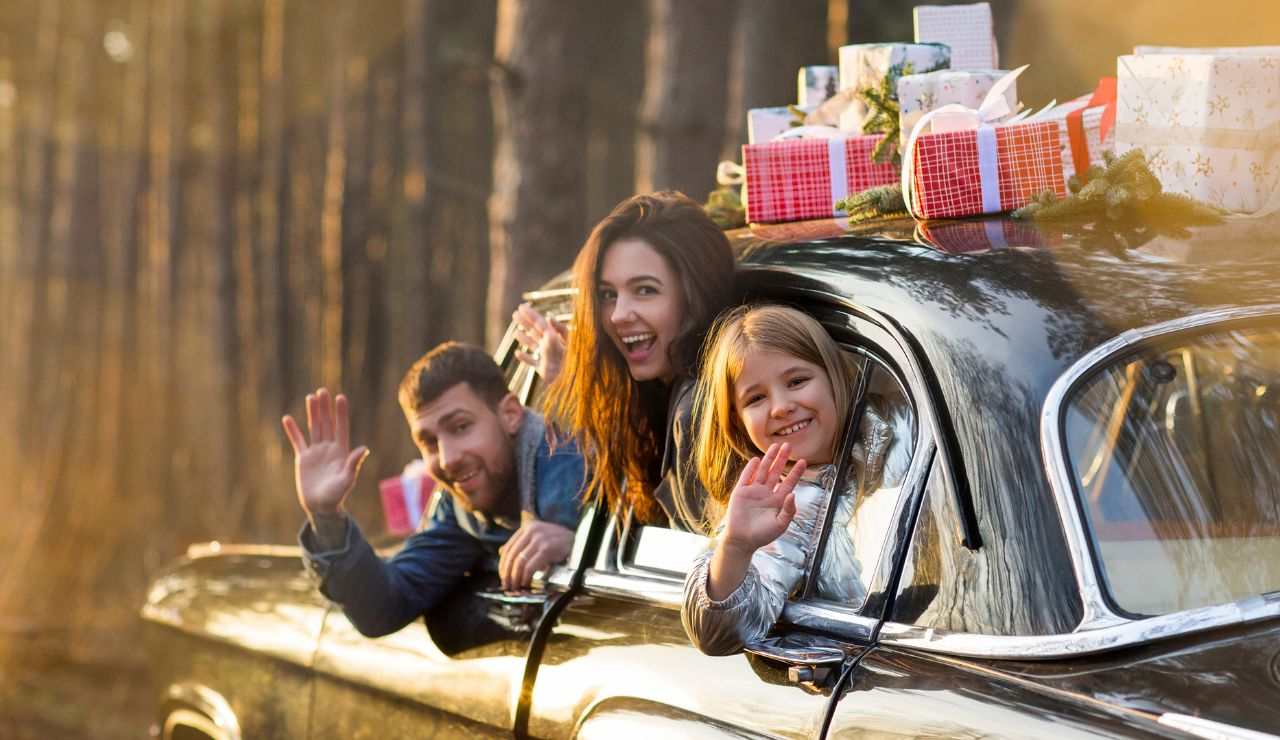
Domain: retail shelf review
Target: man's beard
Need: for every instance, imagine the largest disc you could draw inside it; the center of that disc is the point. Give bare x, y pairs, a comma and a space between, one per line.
498, 496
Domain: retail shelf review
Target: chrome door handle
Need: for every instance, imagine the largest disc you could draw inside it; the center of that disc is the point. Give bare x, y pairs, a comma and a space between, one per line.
810, 661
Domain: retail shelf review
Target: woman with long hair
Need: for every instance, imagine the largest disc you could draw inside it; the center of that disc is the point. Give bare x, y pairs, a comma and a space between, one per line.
651, 278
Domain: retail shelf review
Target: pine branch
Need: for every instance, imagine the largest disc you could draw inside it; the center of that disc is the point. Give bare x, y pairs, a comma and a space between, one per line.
885, 200
724, 207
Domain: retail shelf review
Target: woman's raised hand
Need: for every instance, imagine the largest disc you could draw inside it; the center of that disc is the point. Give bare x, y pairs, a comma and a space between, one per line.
542, 341
763, 503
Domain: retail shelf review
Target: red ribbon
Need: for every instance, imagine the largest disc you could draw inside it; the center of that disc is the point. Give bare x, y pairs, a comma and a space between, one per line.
1105, 94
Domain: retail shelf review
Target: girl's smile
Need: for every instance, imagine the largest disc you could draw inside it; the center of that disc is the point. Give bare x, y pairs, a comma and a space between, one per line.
782, 398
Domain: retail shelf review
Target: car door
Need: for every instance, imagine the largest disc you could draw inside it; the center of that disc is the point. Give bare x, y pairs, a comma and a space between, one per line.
933, 574
456, 674
619, 664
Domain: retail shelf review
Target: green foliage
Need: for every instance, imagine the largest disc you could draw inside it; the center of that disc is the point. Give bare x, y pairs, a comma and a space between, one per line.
883, 111
885, 200
724, 206
1123, 193
1119, 206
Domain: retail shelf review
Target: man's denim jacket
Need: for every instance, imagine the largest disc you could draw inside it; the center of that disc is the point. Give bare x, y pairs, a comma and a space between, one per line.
380, 597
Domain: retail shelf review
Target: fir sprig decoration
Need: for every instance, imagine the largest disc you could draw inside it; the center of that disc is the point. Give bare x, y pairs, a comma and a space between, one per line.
1120, 206
724, 207
883, 108
1124, 190
885, 200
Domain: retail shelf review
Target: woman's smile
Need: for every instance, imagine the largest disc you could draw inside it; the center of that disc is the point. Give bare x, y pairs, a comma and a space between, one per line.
640, 307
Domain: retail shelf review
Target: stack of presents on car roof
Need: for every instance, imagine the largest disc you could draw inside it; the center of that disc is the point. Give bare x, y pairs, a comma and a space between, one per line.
940, 127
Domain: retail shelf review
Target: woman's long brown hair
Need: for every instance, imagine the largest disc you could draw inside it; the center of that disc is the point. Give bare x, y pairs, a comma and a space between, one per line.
619, 423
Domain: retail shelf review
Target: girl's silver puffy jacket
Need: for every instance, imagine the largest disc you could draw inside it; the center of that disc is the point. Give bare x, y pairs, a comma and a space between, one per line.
747, 614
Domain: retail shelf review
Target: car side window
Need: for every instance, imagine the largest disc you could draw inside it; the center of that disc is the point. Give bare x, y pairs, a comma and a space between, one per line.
868, 503
947, 586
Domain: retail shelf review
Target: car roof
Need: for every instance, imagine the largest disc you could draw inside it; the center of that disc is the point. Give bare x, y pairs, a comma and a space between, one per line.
1037, 301
997, 326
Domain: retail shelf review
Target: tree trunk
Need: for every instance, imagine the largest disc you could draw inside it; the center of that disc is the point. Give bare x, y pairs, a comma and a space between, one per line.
617, 37
415, 287
272, 287
460, 38
331, 346
221, 39
37, 200
773, 39
685, 97
539, 93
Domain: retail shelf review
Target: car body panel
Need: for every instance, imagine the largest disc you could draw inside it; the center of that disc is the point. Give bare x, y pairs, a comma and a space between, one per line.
608, 652
243, 624
897, 693
983, 334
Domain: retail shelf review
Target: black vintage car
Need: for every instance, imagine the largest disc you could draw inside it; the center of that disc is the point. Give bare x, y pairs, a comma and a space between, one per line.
1086, 541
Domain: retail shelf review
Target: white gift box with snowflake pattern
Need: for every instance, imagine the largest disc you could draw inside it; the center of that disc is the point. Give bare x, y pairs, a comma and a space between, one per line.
1209, 123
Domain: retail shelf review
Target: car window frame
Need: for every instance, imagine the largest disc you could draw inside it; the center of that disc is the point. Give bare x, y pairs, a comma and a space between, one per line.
851, 326
1100, 607
1100, 629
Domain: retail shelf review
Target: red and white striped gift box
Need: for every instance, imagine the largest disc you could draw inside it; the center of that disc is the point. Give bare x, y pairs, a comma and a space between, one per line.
803, 178
948, 178
405, 500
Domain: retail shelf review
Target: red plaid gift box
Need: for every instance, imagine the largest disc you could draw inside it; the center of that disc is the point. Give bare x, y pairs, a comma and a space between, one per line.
803, 178
949, 179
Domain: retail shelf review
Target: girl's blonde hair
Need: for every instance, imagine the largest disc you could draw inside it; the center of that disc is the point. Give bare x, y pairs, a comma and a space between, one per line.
723, 445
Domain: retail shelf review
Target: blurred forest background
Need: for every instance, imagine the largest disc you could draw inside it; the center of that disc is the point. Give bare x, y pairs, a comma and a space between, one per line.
209, 207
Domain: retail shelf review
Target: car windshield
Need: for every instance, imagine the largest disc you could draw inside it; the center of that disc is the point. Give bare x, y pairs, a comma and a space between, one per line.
1175, 453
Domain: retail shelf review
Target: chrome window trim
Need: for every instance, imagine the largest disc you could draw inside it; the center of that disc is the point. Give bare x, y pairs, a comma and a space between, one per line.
826, 617
1100, 629
668, 594
1081, 641
1097, 613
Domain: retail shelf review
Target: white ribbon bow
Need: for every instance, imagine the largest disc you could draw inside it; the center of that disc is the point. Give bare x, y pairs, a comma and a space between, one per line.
995, 109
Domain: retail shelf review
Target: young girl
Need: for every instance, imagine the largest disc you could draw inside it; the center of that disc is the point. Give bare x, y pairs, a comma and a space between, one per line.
774, 382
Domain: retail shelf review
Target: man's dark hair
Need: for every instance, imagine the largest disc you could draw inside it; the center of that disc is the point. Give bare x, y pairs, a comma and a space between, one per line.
447, 365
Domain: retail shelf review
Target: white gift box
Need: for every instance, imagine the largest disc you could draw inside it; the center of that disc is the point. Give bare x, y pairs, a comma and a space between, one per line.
864, 66
1208, 123
763, 124
967, 29
921, 93
1221, 50
815, 84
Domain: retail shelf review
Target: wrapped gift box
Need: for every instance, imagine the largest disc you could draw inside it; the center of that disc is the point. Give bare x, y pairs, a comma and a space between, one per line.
763, 124
802, 179
405, 499
967, 29
815, 84
864, 66
1209, 124
1086, 128
1221, 50
920, 93
987, 170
